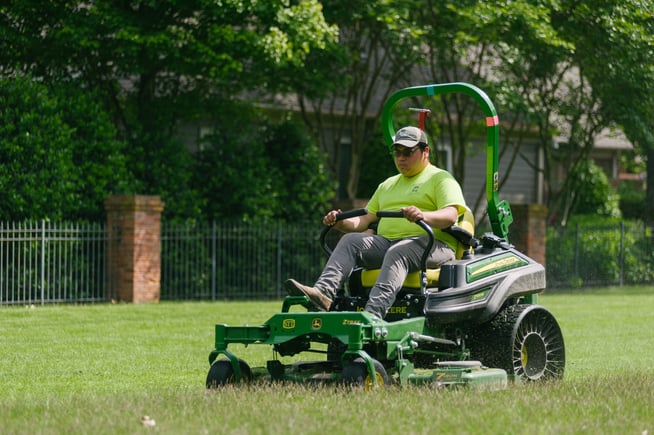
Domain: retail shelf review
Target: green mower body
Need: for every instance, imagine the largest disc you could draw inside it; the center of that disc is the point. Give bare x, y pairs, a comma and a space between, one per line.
479, 325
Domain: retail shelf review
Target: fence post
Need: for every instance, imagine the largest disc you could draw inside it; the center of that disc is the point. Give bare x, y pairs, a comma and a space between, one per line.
622, 248
43, 248
134, 246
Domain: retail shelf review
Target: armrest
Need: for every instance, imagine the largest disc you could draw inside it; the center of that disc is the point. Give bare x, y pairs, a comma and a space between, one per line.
463, 236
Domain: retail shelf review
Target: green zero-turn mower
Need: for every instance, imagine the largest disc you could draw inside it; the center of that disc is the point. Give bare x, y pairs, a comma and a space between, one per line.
474, 321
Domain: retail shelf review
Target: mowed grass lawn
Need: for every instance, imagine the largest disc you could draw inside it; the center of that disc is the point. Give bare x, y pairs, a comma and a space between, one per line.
98, 369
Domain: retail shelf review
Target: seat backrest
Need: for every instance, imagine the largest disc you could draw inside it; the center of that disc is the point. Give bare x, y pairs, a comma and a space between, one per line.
466, 222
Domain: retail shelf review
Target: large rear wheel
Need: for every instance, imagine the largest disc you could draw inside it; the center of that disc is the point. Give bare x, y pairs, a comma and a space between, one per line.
524, 340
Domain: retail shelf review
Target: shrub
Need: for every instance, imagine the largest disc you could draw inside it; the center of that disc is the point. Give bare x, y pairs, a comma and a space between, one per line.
594, 192
267, 173
632, 201
599, 251
60, 156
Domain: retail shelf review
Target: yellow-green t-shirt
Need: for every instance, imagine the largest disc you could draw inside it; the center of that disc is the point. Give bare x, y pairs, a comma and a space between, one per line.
431, 189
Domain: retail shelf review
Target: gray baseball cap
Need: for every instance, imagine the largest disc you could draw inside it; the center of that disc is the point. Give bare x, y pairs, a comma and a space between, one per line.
410, 137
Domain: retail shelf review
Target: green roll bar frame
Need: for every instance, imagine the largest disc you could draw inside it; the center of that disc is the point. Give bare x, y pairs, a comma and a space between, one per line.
499, 212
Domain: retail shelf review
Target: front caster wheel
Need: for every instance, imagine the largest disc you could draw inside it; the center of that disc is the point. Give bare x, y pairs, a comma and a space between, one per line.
355, 373
222, 373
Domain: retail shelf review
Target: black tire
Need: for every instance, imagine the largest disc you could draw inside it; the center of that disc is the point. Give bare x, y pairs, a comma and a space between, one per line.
524, 340
221, 373
355, 374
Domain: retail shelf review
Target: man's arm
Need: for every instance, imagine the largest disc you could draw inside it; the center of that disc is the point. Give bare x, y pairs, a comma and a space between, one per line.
353, 224
442, 218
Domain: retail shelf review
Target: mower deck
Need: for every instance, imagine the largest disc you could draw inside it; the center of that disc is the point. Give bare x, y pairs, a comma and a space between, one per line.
291, 333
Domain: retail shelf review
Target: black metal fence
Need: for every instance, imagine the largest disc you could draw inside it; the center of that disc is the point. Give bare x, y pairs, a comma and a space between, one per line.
53, 262
44, 262
592, 255
236, 260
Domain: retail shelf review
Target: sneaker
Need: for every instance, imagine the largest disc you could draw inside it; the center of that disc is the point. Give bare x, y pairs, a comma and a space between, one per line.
320, 300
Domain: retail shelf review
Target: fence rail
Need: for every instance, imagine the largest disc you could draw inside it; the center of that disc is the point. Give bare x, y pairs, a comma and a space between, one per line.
236, 261
600, 255
45, 262
53, 262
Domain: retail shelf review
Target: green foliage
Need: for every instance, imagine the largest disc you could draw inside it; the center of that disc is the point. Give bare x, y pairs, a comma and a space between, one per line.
163, 165
599, 251
155, 66
342, 90
614, 42
232, 174
60, 156
594, 193
158, 65
377, 165
568, 68
632, 200
98, 155
35, 156
299, 29
266, 173
301, 182
204, 41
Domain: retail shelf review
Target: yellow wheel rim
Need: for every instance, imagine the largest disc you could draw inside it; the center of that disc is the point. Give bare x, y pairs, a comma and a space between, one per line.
369, 385
524, 357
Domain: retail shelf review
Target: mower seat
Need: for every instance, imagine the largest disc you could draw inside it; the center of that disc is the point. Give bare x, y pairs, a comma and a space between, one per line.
463, 231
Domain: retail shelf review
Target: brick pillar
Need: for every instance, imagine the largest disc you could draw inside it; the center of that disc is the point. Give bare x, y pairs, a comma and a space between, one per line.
527, 232
134, 248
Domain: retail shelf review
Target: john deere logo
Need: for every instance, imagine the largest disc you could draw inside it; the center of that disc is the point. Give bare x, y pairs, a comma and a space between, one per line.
288, 324
316, 323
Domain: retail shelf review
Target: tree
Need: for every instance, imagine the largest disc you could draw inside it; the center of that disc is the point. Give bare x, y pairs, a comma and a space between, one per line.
593, 192
545, 65
615, 47
378, 47
155, 65
570, 68
518, 51
273, 172
60, 153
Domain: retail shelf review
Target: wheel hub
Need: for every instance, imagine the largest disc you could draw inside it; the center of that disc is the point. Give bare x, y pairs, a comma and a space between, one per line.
533, 356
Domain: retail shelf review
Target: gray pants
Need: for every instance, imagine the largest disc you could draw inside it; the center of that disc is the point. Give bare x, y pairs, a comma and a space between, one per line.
395, 258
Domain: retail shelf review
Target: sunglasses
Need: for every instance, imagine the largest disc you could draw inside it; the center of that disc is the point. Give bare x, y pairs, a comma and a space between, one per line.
404, 152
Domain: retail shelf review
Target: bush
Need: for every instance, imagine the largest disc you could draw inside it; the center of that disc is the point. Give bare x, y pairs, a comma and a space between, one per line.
273, 172
377, 165
59, 153
596, 251
594, 193
632, 201
162, 165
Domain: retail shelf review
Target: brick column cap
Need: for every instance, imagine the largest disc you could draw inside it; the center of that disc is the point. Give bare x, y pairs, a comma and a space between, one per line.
134, 203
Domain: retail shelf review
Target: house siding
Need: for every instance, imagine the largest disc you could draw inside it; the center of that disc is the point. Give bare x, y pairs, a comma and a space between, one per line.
521, 187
